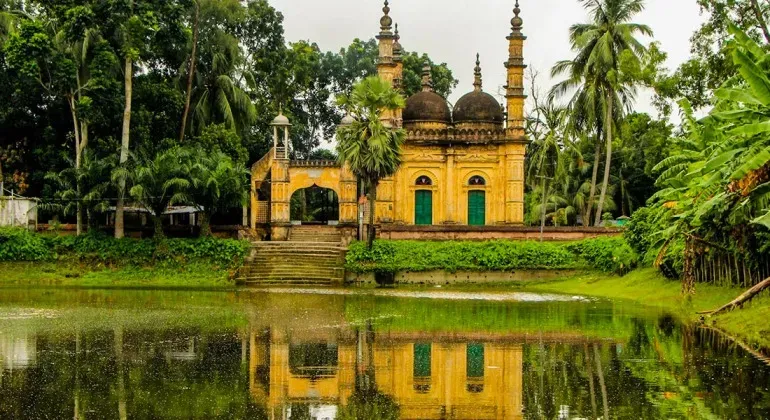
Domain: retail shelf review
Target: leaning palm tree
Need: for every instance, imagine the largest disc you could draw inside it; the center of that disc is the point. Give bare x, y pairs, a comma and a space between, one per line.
218, 184
595, 72
370, 147
158, 182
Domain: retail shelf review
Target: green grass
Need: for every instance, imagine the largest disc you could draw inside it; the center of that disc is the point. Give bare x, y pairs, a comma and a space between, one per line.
196, 275
648, 287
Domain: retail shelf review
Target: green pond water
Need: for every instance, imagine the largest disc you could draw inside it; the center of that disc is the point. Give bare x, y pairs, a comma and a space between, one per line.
349, 354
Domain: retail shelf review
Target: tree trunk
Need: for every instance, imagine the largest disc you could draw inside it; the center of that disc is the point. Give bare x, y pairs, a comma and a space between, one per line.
760, 19
78, 157
157, 222
372, 231
191, 69
607, 162
594, 176
2, 178
121, 385
205, 224
129, 76
602, 385
688, 277
590, 373
542, 213
742, 299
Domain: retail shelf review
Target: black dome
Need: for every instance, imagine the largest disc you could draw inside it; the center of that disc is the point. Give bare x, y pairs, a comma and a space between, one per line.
427, 106
478, 106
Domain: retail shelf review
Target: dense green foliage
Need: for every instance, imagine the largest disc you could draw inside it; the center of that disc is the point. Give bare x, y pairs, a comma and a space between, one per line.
22, 245
608, 254
715, 187
68, 72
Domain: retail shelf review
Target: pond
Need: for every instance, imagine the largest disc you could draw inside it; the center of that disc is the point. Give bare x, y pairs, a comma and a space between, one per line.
287, 354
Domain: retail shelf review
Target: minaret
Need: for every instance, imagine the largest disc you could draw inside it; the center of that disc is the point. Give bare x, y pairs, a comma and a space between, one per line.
515, 145
387, 64
398, 76
515, 96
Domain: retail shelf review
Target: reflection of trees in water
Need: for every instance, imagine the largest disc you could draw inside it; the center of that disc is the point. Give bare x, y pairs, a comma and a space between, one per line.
369, 404
664, 370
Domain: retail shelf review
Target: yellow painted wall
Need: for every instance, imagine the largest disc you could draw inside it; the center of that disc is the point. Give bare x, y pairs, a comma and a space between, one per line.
450, 169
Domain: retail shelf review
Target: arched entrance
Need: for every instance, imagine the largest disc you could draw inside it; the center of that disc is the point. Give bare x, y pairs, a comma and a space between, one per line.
315, 205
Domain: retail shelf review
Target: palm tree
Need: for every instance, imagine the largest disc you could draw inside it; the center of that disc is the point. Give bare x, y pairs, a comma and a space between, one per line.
158, 182
595, 73
218, 92
84, 187
218, 184
368, 146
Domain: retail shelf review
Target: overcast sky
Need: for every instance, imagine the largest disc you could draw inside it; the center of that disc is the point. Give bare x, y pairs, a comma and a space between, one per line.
452, 31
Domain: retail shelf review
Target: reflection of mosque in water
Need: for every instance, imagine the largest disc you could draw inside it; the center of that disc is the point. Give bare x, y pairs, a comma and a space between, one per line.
428, 376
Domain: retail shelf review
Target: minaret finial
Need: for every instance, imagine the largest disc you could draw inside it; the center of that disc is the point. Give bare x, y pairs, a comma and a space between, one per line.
386, 22
517, 22
398, 50
427, 79
477, 75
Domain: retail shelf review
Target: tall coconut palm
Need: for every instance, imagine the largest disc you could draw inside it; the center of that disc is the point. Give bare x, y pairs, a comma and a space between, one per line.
219, 82
369, 147
601, 90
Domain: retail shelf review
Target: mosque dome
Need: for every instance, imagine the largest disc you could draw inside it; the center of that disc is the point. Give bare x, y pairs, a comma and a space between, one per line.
478, 106
427, 106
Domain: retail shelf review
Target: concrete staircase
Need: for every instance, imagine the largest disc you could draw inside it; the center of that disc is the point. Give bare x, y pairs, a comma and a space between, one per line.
313, 256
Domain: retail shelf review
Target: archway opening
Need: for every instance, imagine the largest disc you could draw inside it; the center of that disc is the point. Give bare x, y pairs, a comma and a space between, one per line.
315, 205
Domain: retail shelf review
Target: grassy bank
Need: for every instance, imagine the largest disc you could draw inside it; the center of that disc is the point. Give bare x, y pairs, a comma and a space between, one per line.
96, 260
648, 287
72, 274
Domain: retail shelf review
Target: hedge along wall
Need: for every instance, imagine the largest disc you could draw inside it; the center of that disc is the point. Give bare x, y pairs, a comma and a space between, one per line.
605, 254
21, 245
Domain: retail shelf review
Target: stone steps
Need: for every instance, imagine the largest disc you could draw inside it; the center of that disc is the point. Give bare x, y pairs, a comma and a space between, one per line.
328, 234
295, 263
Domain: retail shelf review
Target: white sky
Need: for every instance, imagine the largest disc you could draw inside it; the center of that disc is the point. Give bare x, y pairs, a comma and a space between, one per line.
452, 31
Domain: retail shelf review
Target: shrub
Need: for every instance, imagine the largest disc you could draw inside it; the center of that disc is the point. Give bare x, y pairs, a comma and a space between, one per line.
17, 244
102, 249
416, 256
611, 255
641, 229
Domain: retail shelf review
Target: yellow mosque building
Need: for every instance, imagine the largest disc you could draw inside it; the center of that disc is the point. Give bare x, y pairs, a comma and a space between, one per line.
463, 165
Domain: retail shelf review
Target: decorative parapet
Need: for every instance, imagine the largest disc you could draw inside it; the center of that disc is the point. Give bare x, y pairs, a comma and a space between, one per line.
452, 135
315, 164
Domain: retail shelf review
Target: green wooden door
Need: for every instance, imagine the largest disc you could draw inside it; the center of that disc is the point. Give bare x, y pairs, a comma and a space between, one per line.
477, 208
423, 207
